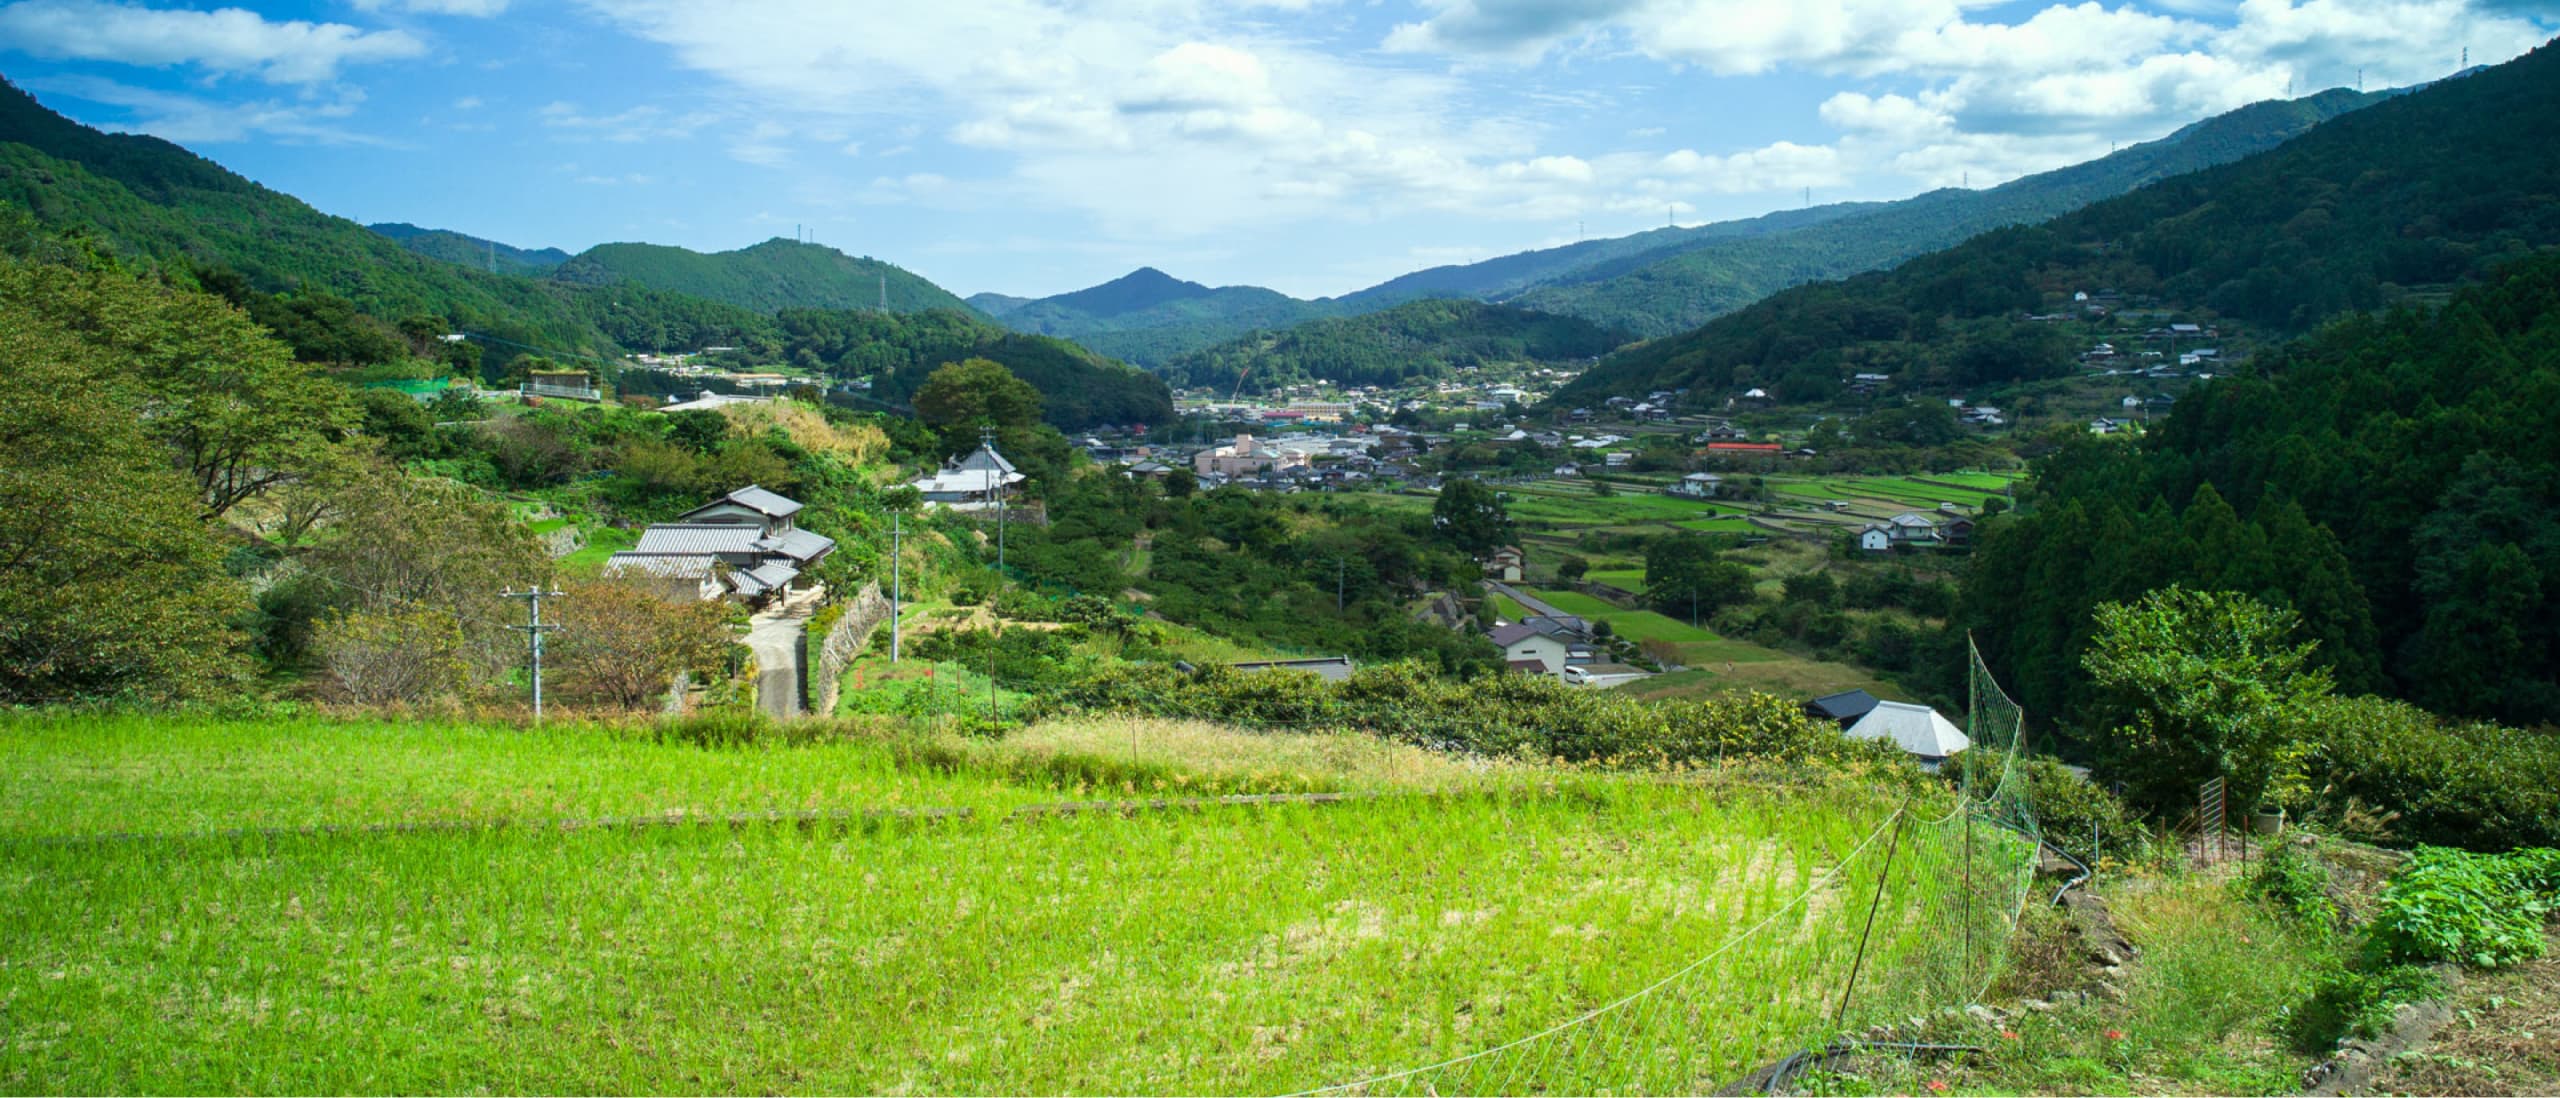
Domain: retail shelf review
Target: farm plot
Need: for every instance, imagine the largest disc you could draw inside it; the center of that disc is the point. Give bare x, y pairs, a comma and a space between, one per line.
1265, 948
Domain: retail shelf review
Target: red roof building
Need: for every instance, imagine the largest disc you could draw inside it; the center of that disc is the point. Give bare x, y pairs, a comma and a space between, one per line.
1746, 448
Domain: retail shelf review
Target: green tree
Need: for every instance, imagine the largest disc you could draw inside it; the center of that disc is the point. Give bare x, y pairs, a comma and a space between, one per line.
1683, 577
1572, 567
111, 584
1471, 516
2201, 684
237, 413
977, 392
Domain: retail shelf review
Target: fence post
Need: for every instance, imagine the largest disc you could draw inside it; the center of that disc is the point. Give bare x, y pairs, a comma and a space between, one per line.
1892, 846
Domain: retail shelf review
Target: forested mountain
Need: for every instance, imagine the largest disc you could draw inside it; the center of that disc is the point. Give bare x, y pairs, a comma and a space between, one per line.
146, 197
1148, 316
1416, 340
777, 274
994, 304
1660, 293
2426, 189
1078, 388
471, 251
2395, 479
305, 274
1507, 276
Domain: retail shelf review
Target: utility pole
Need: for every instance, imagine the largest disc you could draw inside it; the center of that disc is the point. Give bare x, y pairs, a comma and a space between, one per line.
533, 596
995, 483
897, 588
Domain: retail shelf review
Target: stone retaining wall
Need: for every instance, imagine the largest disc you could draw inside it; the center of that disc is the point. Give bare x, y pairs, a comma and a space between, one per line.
845, 640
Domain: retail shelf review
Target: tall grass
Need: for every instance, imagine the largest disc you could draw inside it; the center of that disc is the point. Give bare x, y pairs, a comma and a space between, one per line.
1240, 948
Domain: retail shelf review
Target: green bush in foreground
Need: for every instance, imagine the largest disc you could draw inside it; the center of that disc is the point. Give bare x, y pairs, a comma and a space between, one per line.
2477, 909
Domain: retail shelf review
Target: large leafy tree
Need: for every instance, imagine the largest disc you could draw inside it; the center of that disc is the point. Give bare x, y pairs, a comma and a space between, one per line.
237, 413
1471, 516
977, 392
1682, 576
111, 585
2198, 685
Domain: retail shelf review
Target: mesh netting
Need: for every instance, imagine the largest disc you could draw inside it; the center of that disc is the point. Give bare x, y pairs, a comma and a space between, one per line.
1912, 919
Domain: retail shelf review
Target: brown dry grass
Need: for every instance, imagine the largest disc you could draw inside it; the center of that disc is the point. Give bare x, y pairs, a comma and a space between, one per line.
1351, 760
2504, 1037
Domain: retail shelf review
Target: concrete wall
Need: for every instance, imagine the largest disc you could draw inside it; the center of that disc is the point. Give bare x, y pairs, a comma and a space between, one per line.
869, 610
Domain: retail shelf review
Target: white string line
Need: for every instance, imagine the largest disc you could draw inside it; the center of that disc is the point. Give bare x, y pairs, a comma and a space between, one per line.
1639, 993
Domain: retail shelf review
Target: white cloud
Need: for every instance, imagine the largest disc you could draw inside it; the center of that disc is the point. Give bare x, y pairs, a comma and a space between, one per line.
189, 119
467, 103
480, 9
1781, 166
636, 124
226, 40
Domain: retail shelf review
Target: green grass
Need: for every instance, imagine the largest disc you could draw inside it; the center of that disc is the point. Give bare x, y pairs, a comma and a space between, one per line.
1266, 949
602, 543
1636, 625
80, 776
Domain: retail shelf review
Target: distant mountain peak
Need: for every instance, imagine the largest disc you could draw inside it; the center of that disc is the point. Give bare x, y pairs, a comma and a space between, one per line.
1144, 288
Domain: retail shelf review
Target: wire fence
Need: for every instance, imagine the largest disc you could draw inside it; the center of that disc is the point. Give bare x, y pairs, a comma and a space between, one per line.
1913, 920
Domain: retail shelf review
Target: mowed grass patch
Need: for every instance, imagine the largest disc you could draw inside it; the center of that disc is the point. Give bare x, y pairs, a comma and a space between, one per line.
1258, 949
1636, 625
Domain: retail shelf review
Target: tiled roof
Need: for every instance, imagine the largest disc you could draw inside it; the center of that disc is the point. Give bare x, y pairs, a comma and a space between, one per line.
984, 457
1916, 729
699, 537
763, 502
660, 565
800, 545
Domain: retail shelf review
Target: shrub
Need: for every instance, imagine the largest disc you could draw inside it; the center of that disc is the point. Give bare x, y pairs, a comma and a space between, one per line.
2347, 1003
2477, 909
397, 656
2069, 809
2474, 785
1521, 715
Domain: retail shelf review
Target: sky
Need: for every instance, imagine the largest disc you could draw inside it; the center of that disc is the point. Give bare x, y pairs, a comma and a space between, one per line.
1031, 147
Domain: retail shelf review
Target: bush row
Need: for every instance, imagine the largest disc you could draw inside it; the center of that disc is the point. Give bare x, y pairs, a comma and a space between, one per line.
1506, 715
2474, 785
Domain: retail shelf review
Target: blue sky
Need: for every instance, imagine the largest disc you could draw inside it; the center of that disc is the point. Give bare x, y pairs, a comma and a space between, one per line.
1037, 146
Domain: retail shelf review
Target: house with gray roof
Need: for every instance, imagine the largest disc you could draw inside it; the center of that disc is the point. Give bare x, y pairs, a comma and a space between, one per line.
745, 545
1917, 729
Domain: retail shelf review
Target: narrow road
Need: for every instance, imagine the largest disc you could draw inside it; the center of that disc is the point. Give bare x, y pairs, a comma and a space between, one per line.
774, 636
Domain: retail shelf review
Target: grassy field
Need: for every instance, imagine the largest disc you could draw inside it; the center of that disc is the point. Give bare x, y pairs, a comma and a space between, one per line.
1271, 947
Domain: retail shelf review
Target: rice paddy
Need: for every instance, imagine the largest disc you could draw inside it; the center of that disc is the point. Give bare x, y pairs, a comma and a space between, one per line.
1268, 947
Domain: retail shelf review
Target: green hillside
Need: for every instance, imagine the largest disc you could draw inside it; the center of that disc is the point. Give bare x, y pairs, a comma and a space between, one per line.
1149, 317
472, 251
1416, 340
2390, 479
777, 274
2427, 189
145, 197
1658, 293
1505, 276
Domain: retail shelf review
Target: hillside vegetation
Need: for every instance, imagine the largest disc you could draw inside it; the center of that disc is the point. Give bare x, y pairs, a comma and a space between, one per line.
2391, 478
2433, 187
146, 197
471, 251
777, 274
1410, 342
1658, 294
1149, 317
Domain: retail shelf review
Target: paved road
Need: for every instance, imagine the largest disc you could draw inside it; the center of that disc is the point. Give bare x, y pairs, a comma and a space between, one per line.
774, 636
